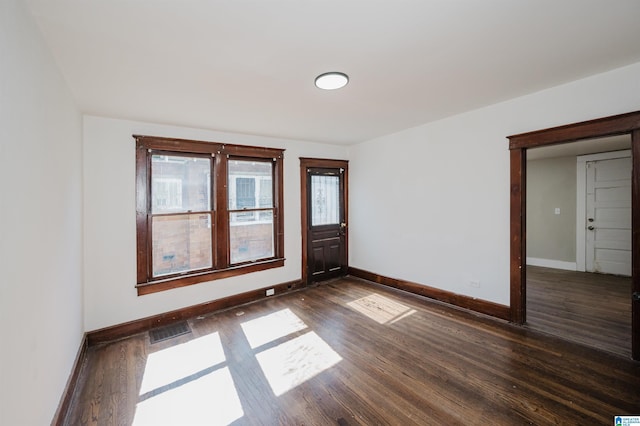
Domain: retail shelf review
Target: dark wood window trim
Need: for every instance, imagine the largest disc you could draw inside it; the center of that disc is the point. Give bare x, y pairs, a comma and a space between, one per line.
221, 153
518, 144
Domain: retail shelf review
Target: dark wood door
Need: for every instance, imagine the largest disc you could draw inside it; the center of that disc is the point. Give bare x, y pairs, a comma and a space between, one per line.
326, 223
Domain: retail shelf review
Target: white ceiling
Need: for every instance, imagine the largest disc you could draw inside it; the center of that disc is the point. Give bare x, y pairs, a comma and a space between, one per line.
248, 66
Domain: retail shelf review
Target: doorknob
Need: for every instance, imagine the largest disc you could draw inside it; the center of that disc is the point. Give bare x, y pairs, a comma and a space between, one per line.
591, 228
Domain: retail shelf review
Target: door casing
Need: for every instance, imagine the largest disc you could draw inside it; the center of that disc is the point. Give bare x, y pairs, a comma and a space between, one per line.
518, 144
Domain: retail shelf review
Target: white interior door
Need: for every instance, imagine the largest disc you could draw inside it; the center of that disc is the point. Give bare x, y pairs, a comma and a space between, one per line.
608, 211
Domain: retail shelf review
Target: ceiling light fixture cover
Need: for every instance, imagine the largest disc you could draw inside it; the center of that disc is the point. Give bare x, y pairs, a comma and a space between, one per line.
332, 80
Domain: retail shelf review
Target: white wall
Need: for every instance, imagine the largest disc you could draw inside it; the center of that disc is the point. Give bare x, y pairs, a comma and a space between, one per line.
431, 204
110, 228
40, 224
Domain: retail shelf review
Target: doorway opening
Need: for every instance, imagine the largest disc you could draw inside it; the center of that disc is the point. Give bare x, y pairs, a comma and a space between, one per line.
579, 242
519, 145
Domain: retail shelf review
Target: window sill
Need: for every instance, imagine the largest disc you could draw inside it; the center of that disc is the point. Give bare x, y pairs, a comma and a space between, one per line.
168, 284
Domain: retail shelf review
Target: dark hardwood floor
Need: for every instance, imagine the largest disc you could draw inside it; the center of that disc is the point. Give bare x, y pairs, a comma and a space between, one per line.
592, 309
349, 352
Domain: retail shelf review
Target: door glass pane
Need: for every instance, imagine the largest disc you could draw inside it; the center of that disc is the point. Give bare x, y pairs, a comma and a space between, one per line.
181, 243
251, 238
180, 184
325, 200
250, 184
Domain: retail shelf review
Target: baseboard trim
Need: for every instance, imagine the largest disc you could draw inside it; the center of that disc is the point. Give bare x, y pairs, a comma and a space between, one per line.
72, 383
121, 331
550, 263
477, 305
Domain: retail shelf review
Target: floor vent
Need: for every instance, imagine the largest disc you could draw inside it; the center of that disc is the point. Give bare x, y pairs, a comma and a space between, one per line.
168, 332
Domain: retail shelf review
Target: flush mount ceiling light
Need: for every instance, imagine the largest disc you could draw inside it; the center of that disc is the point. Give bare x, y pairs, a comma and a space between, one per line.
331, 80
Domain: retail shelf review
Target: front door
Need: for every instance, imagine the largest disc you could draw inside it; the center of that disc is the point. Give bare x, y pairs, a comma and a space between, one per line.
326, 223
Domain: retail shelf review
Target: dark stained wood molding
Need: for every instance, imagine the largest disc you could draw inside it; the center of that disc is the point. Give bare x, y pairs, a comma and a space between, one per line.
518, 294
477, 305
306, 163
278, 200
607, 126
304, 225
72, 382
635, 243
206, 147
142, 229
323, 163
518, 144
221, 254
130, 328
157, 286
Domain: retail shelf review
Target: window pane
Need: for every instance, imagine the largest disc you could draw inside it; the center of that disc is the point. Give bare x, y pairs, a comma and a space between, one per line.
325, 200
266, 189
251, 238
245, 193
180, 184
250, 184
181, 243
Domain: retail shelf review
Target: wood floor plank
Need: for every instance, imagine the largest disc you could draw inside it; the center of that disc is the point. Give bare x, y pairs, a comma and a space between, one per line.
592, 309
401, 360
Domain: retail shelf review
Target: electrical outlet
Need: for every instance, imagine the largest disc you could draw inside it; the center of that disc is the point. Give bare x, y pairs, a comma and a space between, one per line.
475, 284
271, 292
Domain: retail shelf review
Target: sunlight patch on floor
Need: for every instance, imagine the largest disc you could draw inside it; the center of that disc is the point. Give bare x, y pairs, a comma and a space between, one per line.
210, 399
271, 327
381, 309
188, 384
294, 362
177, 362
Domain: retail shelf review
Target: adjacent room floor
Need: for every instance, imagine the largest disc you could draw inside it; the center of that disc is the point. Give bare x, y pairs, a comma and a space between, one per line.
587, 308
349, 352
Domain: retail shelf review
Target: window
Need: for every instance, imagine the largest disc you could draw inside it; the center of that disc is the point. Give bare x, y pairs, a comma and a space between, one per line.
180, 214
250, 222
205, 211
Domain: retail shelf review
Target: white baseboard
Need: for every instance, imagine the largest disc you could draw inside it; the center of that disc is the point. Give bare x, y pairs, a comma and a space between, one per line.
550, 263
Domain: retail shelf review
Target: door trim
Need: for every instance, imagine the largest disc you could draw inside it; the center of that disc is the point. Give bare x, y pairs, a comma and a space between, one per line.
518, 145
306, 163
581, 203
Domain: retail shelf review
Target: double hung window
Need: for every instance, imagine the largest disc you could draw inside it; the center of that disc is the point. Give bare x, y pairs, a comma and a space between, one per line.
205, 211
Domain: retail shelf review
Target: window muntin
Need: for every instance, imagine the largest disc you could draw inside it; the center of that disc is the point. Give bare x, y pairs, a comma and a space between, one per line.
182, 237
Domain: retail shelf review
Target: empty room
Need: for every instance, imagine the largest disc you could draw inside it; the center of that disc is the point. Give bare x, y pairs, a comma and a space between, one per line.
314, 213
